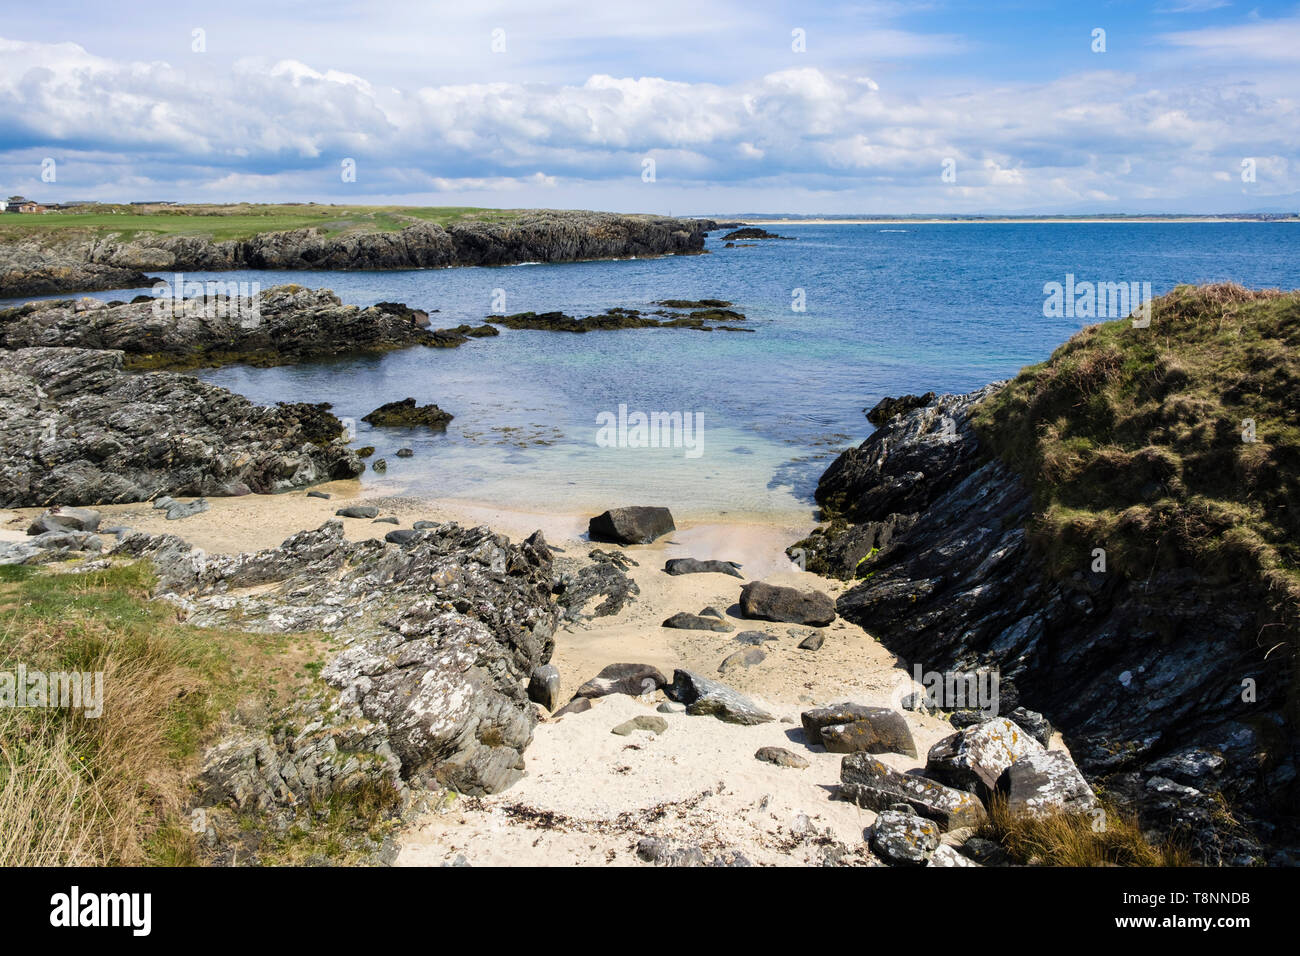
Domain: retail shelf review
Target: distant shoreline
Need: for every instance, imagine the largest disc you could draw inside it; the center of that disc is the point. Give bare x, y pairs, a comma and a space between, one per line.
1007, 220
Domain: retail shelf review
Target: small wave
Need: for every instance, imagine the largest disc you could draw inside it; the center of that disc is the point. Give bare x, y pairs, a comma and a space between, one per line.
528, 263
893, 230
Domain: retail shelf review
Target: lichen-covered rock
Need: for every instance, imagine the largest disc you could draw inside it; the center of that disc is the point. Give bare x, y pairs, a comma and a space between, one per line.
634, 680
903, 839
974, 758
870, 783
1044, 782
77, 429
443, 632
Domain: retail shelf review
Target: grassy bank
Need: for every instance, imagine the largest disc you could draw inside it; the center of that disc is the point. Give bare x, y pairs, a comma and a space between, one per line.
1173, 446
113, 789
237, 221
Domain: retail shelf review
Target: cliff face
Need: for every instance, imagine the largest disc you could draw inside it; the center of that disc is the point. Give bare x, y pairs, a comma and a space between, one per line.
1167, 664
48, 265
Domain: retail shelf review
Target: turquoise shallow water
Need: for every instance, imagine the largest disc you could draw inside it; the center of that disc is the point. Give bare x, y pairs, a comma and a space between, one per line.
889, 309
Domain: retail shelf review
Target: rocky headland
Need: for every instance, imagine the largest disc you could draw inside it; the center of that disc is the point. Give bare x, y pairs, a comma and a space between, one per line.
50, 264
1114, 533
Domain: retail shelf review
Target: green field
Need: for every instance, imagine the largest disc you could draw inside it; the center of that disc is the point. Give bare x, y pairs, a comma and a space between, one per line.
238, 221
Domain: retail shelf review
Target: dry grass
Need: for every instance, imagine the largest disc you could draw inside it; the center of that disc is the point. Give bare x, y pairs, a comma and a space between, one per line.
1063, 839
111, 790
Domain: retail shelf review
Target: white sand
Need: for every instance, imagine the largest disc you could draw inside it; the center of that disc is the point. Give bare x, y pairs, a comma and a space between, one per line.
696, 784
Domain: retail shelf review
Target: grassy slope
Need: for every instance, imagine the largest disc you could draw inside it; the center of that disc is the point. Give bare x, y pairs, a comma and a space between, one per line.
1132, 440
113, 790
240, 221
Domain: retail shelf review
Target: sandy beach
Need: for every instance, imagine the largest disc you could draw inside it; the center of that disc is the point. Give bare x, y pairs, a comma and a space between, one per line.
588, 796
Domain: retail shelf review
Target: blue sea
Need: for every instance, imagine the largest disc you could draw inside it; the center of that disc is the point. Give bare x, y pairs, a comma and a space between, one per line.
887, 309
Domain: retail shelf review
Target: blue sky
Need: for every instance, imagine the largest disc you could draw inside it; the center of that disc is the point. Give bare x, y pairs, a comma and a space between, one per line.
1011, 99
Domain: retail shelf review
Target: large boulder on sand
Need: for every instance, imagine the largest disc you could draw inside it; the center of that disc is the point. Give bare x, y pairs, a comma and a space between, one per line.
769, 602
847, 728
704, 696
640, 524
630, 679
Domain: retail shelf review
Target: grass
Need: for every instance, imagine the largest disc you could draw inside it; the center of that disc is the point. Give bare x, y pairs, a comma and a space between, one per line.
237, 221
1064, 839
112, 790
1134, 441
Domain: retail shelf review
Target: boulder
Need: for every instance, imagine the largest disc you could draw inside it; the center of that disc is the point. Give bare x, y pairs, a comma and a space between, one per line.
945, 855
406, 414
697, 622
813, 642
974, 758
903, 839
710, 697
869, 782
754, 638
65, 519
848, 728
544, 686
400, 536
634, 525
692, 566
358, 511
768, 602
781, 757
1045, 782
631, 679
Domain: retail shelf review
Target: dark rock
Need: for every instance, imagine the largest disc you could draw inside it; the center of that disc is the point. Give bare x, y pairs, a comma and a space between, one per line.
605, 577
752, 232
708, 697
846, 728
579, 705
868, 782
178, 510
903, 839
401, 536
429, 691
318, 494
692, 566
636, 525
813, 642
75, 429
406, 414
887, 408
753, 637
697, 622
404, 453
358, 511
768, 602
544, 686
631, 679
387, 519
781, 757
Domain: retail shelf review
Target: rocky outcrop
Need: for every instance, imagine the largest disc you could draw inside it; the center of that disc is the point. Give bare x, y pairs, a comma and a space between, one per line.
406, 414
281, 326
51, 264
77, 429
1138, 674
442, 635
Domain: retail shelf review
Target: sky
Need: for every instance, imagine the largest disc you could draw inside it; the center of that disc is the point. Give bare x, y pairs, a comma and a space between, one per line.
672, 106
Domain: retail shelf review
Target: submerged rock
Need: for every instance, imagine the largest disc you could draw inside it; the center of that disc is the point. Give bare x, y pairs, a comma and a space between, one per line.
406, 414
